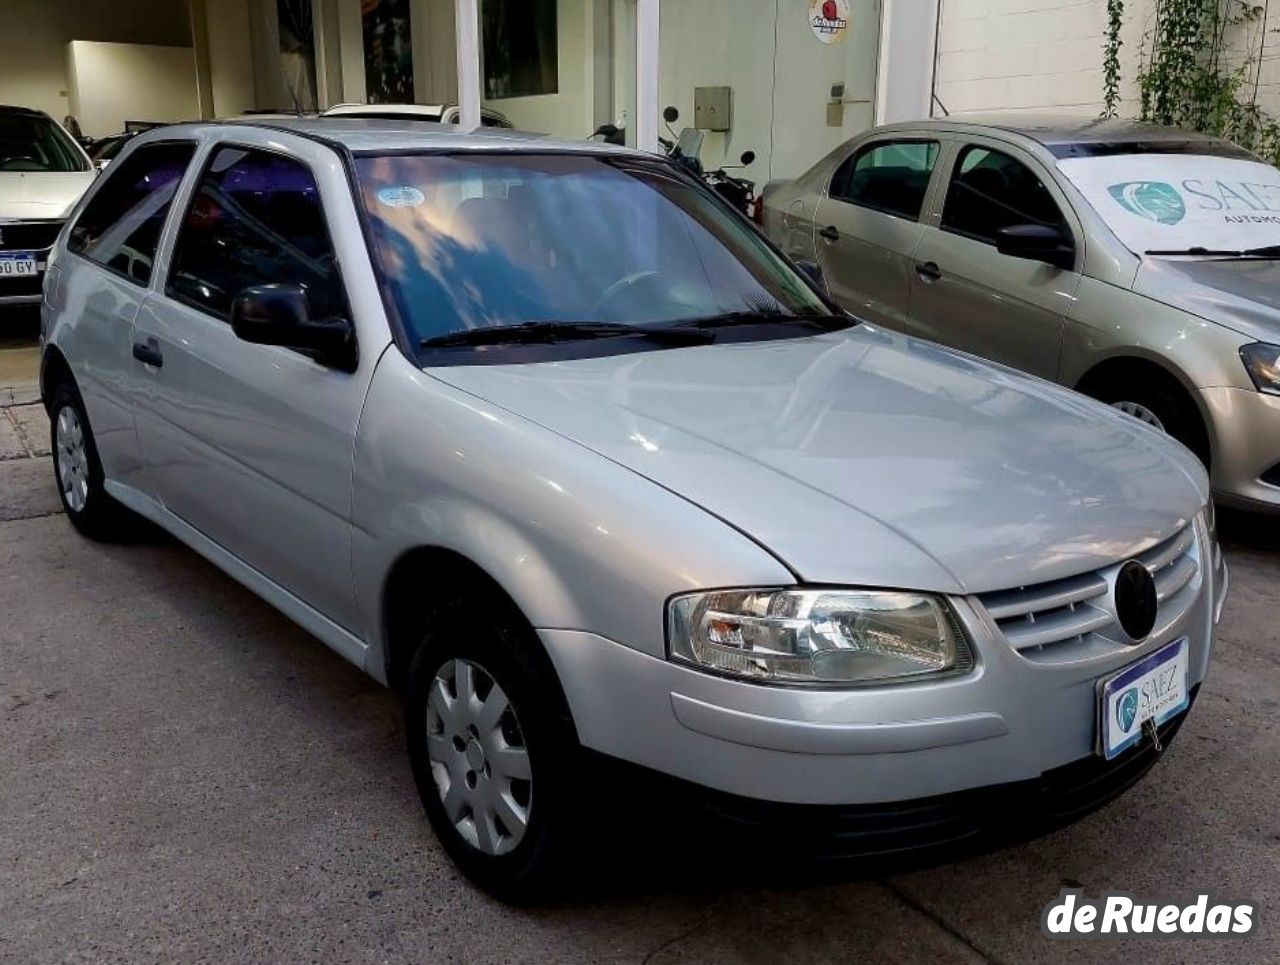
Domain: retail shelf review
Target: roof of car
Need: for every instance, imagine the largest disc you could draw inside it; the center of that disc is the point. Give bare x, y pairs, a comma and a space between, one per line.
1051, 129
359, 135
27, 111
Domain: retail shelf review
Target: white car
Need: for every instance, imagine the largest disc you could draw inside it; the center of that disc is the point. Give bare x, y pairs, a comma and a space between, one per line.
43, 173
432, 113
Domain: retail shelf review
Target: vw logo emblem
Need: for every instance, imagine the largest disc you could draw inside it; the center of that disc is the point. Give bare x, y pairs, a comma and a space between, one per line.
1136, 600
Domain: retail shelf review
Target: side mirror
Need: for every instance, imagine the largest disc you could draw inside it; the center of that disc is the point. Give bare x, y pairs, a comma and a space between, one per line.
281, 315
814, 272
748, 157
1036, 242
670, 115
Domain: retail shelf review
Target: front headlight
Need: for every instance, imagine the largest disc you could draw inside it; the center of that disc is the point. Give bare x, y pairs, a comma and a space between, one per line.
1263, 364
817, 636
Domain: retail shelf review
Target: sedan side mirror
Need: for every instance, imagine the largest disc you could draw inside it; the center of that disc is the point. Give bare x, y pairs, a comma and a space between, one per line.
814, 272
1037, 242
281, 315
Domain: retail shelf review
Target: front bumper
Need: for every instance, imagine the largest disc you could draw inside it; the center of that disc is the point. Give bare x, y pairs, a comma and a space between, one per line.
1246, 431
1008, 722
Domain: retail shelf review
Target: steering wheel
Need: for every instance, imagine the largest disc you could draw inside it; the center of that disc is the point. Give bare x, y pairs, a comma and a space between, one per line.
619, 287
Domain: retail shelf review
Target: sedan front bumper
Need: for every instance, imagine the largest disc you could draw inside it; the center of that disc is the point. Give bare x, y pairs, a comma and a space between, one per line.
1009, 721
1246, 452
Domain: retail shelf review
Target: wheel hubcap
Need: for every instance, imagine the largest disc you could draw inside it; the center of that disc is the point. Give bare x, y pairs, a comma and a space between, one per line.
1141, 413
478, 757
72, 459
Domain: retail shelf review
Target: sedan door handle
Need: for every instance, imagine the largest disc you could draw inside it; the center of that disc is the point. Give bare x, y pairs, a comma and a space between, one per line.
929, 271
830, 232
148, 352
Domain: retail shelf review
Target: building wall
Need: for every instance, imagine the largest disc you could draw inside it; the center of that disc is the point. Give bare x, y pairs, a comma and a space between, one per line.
230, 56
111, 83
33, 44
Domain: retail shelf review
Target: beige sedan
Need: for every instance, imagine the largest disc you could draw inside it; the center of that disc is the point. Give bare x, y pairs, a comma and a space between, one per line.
1138, 264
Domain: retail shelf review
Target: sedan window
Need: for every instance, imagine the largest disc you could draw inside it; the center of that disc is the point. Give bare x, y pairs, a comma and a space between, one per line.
255, 219
120, 226
889, 176
990, 190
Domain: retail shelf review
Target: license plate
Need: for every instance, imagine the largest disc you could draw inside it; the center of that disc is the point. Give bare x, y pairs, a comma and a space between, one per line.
17, 264
1154, 689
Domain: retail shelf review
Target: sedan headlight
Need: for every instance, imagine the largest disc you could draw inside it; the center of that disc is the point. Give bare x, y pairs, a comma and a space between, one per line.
803, 636
1263, 363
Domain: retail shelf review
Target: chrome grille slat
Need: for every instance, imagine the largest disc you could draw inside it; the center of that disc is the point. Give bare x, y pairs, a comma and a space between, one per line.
1158, 557
1074, 618
1174, 577
1055, 626
1046, 596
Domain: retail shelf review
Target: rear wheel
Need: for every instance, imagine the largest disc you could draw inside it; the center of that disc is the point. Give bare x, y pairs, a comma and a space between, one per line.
493, 752
78, 470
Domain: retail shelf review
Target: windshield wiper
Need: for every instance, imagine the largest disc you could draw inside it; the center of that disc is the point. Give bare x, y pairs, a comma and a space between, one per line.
1266, 251
826, 323
549, 332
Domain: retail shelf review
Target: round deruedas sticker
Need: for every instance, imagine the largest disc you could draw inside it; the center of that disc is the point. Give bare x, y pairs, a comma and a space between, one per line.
401, 197
829, 20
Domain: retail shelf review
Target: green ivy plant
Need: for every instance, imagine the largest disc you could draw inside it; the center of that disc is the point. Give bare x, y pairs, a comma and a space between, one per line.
1189, 77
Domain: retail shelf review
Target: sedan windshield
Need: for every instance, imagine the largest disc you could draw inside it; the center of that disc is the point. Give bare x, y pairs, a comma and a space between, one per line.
567, 245
32, 142
1194, 204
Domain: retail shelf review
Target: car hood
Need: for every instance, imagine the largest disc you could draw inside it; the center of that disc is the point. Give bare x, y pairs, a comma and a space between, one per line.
1240, 293
40, 194
865, 457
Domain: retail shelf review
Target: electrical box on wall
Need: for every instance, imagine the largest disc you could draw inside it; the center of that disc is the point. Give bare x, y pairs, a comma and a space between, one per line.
713, 108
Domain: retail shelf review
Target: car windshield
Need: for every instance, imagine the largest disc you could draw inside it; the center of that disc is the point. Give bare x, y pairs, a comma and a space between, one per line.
32, 142
1196, 204
482, 241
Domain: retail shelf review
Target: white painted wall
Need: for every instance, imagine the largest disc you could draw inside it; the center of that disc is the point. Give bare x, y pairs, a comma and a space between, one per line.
230, 56
1031, 55
33, 43
113, 83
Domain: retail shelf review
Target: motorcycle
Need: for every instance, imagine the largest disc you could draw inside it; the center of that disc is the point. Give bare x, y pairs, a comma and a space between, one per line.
685, 149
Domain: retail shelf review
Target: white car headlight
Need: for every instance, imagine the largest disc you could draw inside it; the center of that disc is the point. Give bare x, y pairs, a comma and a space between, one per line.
817, 636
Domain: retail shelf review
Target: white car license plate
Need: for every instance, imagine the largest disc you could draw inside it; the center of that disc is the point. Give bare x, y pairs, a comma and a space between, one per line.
17, 264
1154, 689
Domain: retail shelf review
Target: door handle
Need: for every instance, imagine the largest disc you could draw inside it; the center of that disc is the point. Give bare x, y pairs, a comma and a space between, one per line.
929, 271
830, 232
148, 352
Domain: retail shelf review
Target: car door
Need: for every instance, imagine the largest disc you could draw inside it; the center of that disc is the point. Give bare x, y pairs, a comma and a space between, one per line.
868, 225
967, 294
251, 445
98, 288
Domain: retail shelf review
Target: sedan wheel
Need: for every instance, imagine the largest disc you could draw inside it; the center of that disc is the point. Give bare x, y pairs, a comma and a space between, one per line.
1141, 413
72, 459
478, 757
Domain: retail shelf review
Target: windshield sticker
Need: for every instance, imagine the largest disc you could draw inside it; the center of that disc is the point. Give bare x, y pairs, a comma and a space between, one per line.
1182, 202
401, 197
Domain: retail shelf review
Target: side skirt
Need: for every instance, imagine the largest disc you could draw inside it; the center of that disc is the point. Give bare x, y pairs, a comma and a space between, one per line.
310, 619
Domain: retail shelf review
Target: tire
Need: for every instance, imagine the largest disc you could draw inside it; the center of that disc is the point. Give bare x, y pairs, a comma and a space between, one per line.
78, 470
1163, 406
480, 774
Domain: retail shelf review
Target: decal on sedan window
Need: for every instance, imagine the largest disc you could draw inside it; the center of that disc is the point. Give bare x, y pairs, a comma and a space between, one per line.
401, 197
1179, 202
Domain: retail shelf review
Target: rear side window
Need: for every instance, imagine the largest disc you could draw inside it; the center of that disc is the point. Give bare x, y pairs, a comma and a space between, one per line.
990, 190
255, 219
120, 226
889, 176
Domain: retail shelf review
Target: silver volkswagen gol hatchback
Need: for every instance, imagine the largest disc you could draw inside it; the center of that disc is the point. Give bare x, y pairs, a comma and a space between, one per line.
1138, 264
549, 439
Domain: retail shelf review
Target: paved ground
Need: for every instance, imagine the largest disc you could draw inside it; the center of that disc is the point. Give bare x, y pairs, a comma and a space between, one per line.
184, 775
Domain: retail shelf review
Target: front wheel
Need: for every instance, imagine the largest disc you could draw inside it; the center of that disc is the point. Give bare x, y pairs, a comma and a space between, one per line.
493, 752
1162, 407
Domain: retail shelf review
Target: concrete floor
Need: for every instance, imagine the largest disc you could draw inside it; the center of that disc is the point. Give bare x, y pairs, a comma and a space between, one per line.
185, 775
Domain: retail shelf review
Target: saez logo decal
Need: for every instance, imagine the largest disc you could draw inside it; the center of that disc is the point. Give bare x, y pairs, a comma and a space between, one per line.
1127, 709
829, 20
1153, 200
